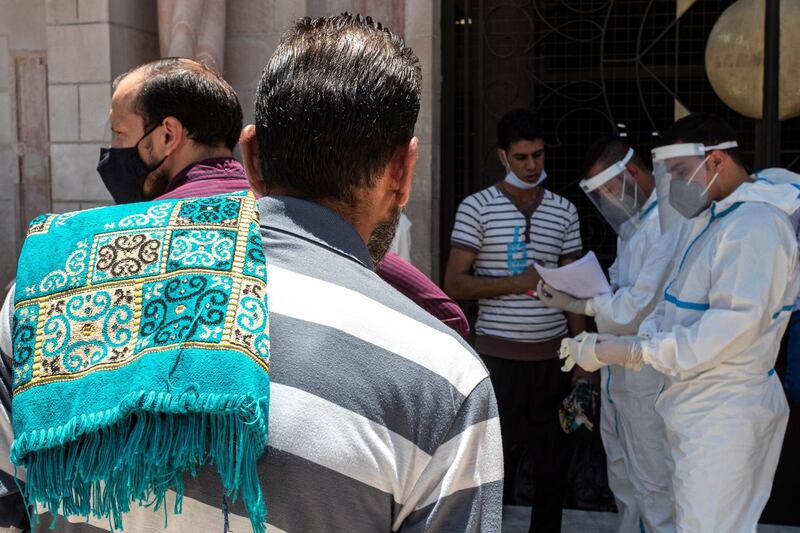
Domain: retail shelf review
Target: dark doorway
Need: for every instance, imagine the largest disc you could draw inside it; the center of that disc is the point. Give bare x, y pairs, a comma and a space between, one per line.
588, 68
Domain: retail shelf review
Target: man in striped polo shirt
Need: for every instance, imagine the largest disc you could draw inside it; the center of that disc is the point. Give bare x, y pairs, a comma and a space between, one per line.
381, 417
498, 234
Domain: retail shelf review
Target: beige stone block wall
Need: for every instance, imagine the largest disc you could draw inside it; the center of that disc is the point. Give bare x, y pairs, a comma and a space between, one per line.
92, 11
133, 27
94, 101
78, 53
61, 11
8, 160
74, 178
89, 43
63, 113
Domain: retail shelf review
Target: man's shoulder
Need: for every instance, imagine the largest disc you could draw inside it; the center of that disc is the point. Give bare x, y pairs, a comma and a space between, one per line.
756, 218
357, 351
482, 198
556, 200
352, 301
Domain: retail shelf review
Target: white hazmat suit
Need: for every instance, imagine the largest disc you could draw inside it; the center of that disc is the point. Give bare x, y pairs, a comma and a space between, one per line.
633, 433
716, 337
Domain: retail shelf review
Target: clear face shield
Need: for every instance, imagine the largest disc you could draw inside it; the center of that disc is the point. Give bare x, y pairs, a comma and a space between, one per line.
617, 196
683, 180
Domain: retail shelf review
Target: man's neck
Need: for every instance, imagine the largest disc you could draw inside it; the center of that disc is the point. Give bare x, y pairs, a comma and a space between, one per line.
520, 195
731, 183
352, 215
201, 153
647, 190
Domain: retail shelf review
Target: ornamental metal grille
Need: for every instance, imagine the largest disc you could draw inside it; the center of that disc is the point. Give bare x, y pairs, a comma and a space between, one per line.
587, 68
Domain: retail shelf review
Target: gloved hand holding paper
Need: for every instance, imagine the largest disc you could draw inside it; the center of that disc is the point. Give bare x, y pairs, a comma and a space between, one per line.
582, 279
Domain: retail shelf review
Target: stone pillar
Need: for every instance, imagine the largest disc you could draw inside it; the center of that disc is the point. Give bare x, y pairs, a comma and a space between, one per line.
89, 43
418, 22
423, 35
254, 28
193, 28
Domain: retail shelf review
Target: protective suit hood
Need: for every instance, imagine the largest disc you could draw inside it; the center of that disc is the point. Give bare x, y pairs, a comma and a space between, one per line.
785, 196
781, 176
777, 176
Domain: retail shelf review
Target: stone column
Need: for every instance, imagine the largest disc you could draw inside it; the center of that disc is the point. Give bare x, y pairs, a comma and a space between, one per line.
193, 28
254, 28
423, 35
418, 22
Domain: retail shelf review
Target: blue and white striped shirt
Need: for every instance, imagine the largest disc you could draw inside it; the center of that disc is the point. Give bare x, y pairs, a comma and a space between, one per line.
506, 242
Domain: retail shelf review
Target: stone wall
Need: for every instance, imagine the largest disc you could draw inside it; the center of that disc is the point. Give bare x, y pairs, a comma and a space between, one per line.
89, 43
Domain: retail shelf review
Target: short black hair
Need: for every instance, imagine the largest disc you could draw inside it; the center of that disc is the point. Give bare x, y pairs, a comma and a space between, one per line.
702, 128
337, 98
204, 103
517, 125
607, 151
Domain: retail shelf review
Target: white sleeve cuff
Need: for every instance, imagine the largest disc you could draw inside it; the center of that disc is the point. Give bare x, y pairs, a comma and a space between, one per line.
595, 303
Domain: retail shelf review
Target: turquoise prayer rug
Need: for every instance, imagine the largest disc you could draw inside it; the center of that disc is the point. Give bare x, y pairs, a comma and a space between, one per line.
141, 353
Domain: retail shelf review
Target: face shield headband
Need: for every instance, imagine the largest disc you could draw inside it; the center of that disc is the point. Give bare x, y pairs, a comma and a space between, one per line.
617, 196
590, 184
671, 151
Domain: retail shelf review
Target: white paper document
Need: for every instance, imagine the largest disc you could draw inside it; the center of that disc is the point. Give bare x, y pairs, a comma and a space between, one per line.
583, 278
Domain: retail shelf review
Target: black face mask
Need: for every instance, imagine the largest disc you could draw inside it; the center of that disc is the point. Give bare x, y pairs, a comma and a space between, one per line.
123, 171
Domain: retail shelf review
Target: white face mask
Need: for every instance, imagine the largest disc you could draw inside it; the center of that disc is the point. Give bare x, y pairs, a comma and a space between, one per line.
513, 180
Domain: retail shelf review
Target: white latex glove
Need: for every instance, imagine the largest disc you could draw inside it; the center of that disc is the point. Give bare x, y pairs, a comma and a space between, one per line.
560, 300
623, 351
580, 350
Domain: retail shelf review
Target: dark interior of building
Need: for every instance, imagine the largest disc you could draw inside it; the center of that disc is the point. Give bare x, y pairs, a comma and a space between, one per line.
589, 68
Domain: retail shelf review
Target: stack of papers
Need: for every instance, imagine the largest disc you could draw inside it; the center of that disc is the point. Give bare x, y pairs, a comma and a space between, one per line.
583, 278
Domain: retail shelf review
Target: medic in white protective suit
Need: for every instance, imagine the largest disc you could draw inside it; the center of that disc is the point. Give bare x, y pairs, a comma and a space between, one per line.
623, 190
717, 333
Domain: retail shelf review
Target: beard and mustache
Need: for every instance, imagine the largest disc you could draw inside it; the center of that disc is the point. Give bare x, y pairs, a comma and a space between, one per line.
382, 236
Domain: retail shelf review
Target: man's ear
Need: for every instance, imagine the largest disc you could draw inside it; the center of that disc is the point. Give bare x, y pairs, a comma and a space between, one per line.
633, 170
501, 155
251, 160
405, 159
174, 134
717, 160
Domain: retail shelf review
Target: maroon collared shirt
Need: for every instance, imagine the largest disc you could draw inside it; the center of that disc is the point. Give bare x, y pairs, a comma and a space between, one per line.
206, 178
407, 279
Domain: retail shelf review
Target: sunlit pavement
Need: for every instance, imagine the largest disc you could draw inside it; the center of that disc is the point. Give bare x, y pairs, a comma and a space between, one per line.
516, 519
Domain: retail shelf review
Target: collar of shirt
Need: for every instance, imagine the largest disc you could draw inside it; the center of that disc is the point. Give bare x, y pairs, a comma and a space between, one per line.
214, 168
315, 223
